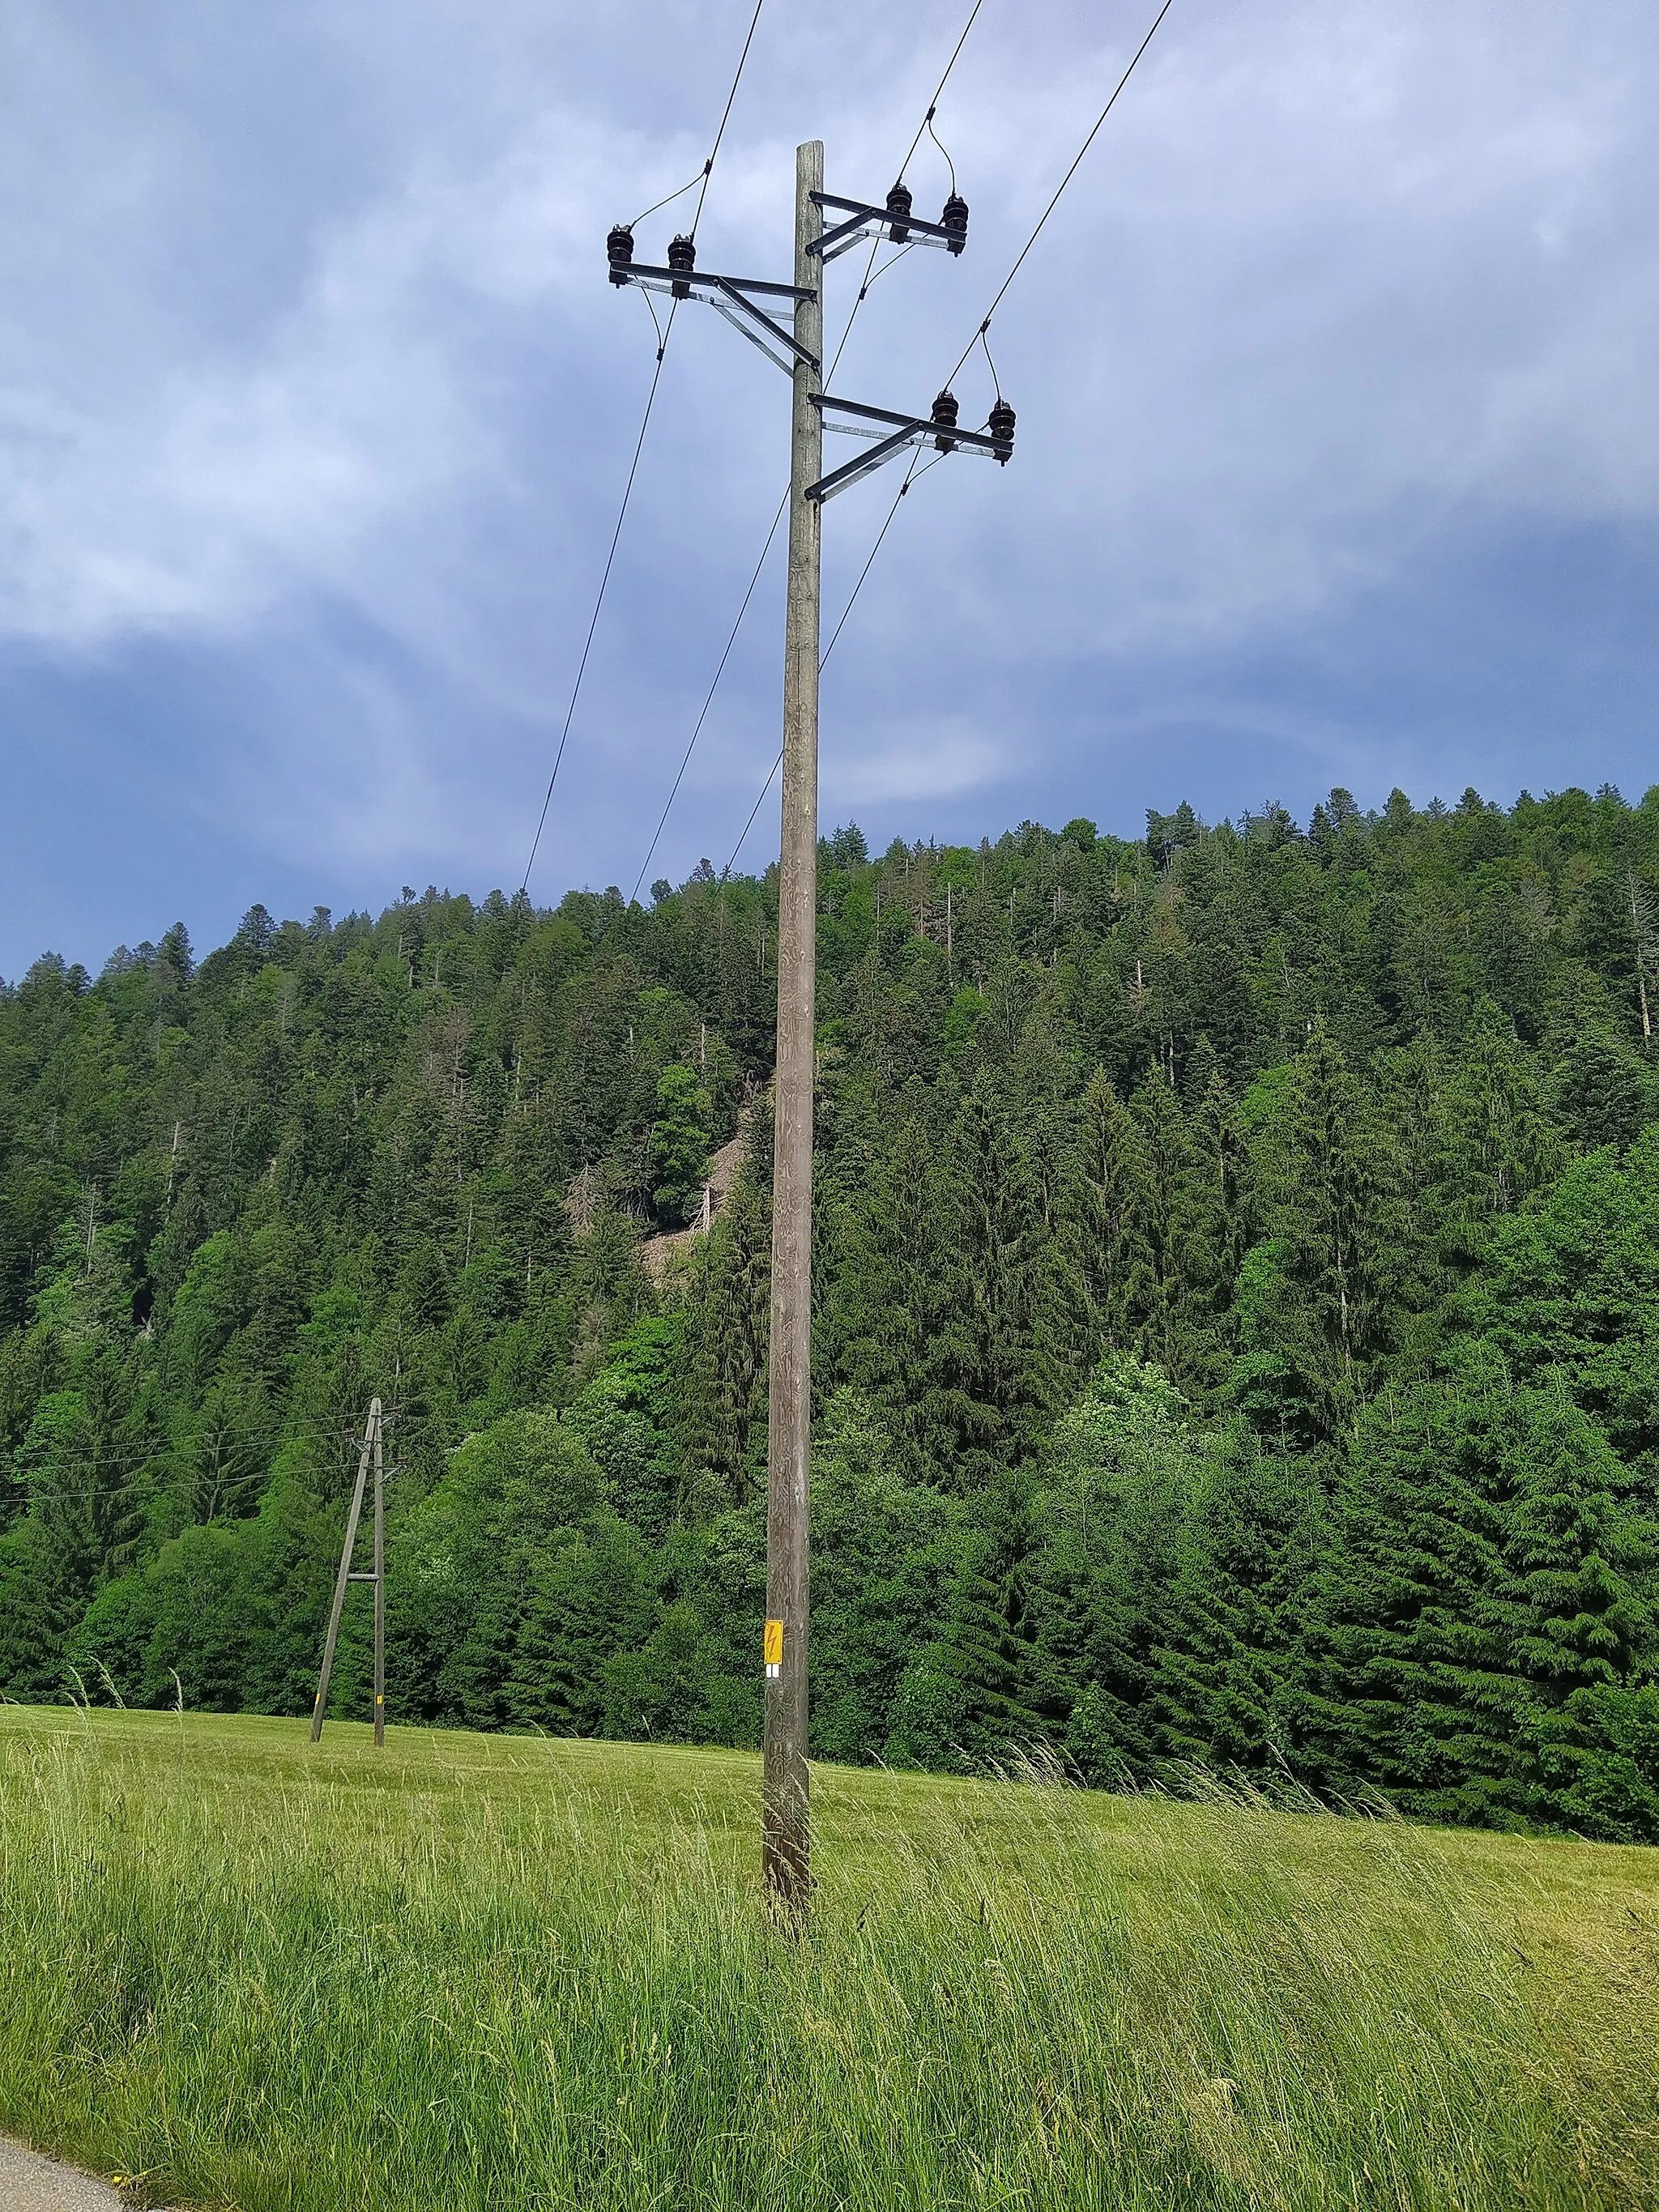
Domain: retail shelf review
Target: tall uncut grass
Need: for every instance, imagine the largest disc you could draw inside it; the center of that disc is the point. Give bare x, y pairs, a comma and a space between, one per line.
507, 1972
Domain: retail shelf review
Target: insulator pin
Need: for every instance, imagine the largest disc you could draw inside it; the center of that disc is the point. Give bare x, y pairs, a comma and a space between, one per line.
1000, 424
681, 260
946, 411
955, 220
619, 251
899, 204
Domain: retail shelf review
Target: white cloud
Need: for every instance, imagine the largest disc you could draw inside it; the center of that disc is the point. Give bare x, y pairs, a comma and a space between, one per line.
920, 758
306, 335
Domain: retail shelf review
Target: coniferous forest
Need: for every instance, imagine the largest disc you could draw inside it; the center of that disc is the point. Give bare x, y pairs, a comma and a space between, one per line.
1236, 1309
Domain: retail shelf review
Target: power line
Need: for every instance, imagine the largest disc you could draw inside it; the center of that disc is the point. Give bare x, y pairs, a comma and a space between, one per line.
593, 623
708, 700
1083, 150
726, 115
911, 474
978, 338
925, 127
311, 1430
749, 593
932, 105
639, 447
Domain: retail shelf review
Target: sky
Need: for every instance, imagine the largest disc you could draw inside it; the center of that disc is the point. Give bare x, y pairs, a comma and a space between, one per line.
1337, 458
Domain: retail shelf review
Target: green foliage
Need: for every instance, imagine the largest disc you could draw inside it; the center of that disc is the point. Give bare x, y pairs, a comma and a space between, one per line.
679, 1145
1236, 1306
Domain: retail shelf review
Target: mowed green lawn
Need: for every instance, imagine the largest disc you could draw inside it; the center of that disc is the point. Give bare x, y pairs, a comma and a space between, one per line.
505, 1973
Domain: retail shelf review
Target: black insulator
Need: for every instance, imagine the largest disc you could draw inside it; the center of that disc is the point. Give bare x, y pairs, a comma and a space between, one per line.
1000, 424
898, 214
946, 411
681, 260
619, 251
955, 220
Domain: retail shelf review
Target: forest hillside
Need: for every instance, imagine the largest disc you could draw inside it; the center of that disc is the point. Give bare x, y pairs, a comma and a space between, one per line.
1237, 1314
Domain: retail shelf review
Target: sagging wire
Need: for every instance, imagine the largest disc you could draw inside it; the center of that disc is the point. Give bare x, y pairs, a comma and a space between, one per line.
725, 116
662, 336
980, 338
863, 293
864, 288
913, 474
940, 142
932, 105
1041, 219
871, 272
699, 177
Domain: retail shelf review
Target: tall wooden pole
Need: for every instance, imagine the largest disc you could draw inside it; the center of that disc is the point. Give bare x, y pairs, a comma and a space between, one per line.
380, 1585
785, 1845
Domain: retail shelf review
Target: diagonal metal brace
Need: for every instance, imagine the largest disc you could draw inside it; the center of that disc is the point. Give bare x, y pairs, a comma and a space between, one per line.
850, 472
785, 337
725, 294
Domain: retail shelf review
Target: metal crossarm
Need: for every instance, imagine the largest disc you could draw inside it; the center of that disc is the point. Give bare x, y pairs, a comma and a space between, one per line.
980, 440
861, 218
908, 430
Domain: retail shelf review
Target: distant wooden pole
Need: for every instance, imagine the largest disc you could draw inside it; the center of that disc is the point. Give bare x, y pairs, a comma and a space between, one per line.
785, 1847
345, 1578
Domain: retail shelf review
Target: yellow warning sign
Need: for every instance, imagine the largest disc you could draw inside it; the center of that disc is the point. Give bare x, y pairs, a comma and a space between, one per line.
775, 1643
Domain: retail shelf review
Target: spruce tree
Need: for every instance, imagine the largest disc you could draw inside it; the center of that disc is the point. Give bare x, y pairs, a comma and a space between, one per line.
1102, 1258
1231, 1659
1315, 1312
1167, 1324
679, 1145
885, 1303
1115, 1494
1416, 1694
991, 1378
727, 1331
973, 1693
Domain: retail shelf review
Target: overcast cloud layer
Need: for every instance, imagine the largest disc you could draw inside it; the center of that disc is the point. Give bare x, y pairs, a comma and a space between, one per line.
1338, 458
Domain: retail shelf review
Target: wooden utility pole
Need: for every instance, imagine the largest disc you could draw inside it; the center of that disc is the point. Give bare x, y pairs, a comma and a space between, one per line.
369, 1455
380, 1577
753, 304
786, 1842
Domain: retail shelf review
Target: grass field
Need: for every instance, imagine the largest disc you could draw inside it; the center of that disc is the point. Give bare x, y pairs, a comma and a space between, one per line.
507, 1972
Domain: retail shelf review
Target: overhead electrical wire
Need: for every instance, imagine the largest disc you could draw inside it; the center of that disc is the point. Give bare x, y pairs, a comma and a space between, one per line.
639, 447
175, 1453
925, 129
979, 338
1076, 164
749, 593
910, 476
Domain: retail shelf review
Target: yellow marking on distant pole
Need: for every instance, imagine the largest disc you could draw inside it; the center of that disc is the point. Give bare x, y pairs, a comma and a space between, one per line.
772, 1647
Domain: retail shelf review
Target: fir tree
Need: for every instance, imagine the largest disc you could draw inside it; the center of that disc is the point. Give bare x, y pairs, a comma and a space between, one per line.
726, 1348
1103, 1259
1314, 1298
992, 1381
